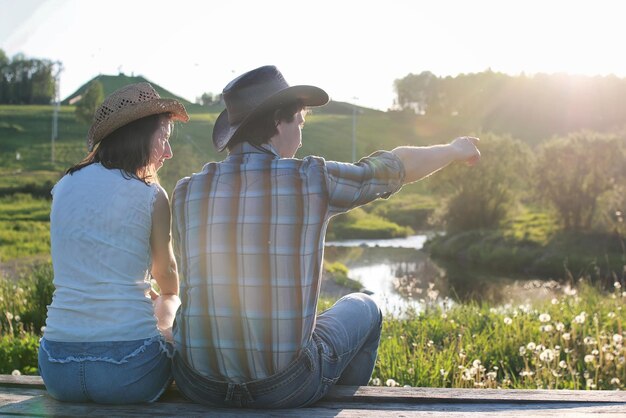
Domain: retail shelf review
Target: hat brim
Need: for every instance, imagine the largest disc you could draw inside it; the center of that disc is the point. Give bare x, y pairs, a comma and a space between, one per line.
224, 131
137, 111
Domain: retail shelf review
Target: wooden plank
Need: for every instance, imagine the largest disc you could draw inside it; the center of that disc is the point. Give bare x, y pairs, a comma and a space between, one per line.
377, 394
26, 396
41, 405
446, 395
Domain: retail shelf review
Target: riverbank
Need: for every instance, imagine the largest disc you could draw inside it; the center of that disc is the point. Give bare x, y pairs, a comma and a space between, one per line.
563, 255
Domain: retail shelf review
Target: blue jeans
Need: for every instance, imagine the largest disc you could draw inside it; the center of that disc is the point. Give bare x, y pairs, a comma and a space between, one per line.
342, 350
117, 372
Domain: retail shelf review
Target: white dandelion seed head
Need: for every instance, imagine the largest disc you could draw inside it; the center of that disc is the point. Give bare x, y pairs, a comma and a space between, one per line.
544, 317
391, 383
547, 355
508, 321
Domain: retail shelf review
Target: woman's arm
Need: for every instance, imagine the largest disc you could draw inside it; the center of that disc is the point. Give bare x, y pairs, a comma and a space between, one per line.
164, 268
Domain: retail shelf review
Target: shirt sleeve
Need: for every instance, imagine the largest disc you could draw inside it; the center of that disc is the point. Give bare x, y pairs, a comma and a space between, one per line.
351, 185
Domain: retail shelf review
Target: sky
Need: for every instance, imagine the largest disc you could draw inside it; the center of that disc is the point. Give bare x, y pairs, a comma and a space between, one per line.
352, 49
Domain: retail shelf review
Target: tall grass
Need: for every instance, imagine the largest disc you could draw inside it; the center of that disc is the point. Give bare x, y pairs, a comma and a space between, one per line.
573, 342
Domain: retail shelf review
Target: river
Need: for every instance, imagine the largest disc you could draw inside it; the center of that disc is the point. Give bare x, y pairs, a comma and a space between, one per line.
402, 276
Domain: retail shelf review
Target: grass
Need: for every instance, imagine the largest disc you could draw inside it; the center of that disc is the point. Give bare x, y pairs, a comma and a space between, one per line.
24, 226
573, 342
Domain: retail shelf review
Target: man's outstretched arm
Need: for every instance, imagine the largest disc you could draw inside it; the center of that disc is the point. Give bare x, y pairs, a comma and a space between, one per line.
420, 162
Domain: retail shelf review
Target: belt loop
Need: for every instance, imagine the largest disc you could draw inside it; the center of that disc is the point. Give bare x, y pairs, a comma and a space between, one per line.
310, 360
246, 392
230, 391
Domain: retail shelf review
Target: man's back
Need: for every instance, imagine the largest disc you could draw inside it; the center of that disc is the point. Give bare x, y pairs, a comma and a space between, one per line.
254, 244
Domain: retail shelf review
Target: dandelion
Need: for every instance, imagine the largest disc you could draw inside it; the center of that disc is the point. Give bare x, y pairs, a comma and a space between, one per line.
544, 317
376, 381
589, 341
391, 383
615, 381
476, 363
580, 318
609, 357
18, 318
16, 373
617, 285
547, 355
617, 338
563, 364
560, 326
522, 350
9, 315
508, 321
492, 375
555, 301
531, 346
546, 328
589, 358
611, 315
566, 336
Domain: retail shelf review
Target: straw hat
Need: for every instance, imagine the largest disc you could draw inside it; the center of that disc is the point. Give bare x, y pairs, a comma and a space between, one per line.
131, 102
258, 90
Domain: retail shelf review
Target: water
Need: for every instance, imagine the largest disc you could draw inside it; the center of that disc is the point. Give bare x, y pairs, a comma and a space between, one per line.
402, 276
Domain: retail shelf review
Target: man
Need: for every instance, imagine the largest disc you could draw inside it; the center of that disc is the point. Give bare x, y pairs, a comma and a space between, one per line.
250, 233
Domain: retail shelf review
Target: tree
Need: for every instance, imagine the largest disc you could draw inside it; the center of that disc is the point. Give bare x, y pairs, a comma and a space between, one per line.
26, 80
417, 92
207, 99
481, 196
573, 173
87, 105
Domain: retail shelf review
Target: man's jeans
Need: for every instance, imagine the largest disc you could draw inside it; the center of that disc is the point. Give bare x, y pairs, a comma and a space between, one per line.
342, 350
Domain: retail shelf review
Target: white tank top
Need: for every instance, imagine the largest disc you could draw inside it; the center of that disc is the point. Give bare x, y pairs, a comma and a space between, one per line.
100, 226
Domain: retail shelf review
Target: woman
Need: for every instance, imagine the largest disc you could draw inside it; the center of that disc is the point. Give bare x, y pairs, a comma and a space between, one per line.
107, 332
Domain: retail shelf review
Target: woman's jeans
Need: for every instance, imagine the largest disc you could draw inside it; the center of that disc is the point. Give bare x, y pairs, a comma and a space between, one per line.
116, 372
342, 350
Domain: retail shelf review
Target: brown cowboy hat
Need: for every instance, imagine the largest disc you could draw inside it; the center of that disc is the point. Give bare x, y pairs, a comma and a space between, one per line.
125, 105
256, 91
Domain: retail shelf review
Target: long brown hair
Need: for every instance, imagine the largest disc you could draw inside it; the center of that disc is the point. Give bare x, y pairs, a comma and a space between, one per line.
127, 149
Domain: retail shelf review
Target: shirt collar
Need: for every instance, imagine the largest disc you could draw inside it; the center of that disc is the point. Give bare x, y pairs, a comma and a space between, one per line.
247, 148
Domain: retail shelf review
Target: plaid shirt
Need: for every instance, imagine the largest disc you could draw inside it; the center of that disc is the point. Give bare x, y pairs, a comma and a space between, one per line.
249, 236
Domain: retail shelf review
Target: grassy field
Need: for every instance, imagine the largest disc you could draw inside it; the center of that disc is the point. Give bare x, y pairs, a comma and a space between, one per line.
26, 165
574, 341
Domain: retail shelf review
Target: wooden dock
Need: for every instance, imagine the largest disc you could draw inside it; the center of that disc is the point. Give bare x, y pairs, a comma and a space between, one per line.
25, 396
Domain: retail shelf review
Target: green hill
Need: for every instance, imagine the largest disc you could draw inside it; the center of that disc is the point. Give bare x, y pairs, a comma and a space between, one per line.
110, 83
26, 150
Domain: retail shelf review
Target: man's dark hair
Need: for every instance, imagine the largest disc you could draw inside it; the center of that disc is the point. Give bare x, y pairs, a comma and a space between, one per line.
263, 127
